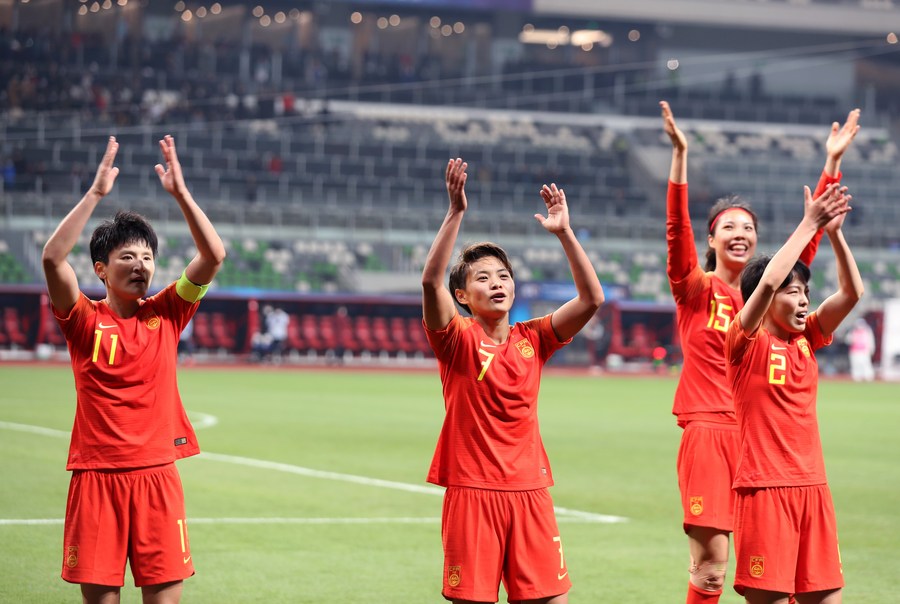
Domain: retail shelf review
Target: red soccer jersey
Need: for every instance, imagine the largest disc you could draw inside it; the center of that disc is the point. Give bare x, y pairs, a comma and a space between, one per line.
490, 437
129, 413
775, 383
705, 306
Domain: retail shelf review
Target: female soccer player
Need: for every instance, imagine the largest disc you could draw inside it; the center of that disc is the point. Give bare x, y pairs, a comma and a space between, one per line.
706, 302
785, 533
498, 522
125, 497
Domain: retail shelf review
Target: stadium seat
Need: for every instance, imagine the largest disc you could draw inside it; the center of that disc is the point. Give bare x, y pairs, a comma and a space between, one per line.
295, 340
330, 327
222, 332
15, 327
362, 331
312, 338
203, 336
381, 336
416, 333
52, 333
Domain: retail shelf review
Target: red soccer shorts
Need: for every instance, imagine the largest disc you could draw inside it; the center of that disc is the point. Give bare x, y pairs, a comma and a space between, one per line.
112, 516
707, 460
511, 536
785, 540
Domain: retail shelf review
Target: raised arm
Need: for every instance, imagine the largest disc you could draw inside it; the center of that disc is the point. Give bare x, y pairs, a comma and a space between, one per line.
682, 256
838, 305
816, 214
569, 318
838, 142
438, 307
210, 249
62, 284
678, 169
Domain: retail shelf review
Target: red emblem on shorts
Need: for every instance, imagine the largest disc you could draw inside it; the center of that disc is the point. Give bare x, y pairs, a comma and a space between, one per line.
697, 505
757, 566
453, 576
71, 556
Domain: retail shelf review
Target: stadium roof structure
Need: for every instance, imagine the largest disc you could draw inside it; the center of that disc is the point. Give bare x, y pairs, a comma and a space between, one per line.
848, 17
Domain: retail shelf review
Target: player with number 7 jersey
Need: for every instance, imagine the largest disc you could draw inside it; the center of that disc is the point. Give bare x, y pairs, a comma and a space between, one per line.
498, 522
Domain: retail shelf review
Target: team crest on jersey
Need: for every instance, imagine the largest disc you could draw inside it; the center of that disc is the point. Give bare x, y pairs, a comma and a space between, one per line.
697, 505
454, 577
757, 566
152, 322
525, 348
71, 556
804, 347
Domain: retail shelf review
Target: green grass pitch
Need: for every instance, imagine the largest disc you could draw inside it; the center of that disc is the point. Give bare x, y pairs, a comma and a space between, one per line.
273, 516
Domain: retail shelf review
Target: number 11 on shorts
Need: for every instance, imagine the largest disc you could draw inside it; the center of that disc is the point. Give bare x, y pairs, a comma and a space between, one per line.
562, 560
182, 530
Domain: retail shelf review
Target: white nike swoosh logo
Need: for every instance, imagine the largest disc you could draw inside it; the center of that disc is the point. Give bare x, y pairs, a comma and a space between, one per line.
102, 326
188, 559
720, 297
778, 347
562, 576
487, 345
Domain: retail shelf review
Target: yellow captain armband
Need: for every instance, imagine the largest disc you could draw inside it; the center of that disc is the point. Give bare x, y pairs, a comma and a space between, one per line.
189, 291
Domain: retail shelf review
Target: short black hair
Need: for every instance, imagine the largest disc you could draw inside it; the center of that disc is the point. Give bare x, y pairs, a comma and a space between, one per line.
125, 227
469, 255
753, 272
724, 204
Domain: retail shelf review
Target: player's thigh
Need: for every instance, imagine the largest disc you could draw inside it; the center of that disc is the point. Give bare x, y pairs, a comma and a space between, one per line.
166, 593
834, 596
99, 594
761, 596
560, 599
708, 544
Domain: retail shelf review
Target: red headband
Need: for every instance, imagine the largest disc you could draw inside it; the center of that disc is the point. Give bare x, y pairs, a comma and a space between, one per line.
712, 225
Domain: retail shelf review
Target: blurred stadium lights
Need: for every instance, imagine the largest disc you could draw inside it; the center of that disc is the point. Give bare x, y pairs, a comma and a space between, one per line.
562, 37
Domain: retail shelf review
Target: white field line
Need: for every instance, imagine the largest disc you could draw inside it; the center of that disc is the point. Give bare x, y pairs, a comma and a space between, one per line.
35, 430
386, 484
202, 420
301, 471
398, 520
198, 420
563, 514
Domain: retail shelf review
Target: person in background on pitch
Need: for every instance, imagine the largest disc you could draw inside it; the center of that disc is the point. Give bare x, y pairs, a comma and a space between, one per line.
498, 522
125, 497
785, 532
860, 342
706, 301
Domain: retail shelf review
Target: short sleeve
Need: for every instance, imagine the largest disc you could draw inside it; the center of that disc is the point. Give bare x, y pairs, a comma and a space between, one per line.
813, 333
737, 342
443, 341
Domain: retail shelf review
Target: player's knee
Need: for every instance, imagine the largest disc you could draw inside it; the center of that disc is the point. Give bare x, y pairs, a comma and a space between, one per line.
709, 575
